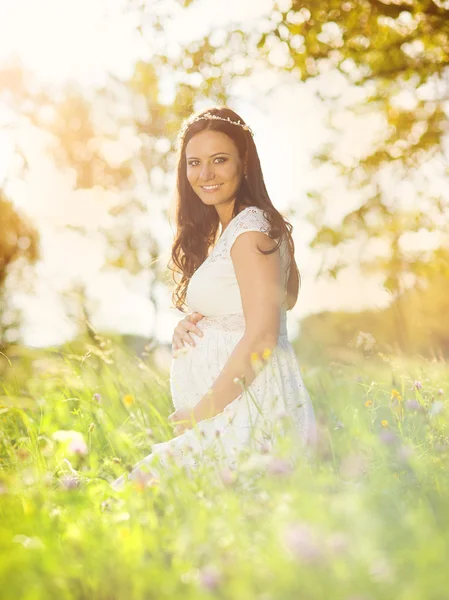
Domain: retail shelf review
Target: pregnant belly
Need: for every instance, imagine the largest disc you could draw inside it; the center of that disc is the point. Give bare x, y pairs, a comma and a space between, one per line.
193, 372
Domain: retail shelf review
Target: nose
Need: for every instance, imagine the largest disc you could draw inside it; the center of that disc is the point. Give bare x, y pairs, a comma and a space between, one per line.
206, 172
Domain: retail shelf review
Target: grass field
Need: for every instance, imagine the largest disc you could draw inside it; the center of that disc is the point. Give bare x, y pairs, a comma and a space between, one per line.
368, 519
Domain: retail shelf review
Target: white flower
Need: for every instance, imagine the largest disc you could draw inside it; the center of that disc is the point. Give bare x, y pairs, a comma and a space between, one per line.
28, 542
74, 440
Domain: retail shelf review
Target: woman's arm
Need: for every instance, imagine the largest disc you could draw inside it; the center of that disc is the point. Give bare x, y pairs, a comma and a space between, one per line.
259, 279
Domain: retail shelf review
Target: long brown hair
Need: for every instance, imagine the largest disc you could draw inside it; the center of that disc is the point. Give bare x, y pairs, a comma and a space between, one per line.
197, 224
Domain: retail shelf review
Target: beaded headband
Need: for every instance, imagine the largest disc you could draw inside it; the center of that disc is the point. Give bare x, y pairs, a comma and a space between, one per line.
208, 117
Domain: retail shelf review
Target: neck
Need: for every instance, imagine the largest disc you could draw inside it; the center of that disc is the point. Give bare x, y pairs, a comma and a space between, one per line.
224, 212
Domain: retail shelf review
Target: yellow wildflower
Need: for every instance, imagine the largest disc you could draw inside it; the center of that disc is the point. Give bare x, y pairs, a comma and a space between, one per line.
395, 394
368, 403
266, 353
256, 363
384, 423
128, 400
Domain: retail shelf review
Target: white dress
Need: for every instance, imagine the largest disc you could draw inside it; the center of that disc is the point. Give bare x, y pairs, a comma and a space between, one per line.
277, 393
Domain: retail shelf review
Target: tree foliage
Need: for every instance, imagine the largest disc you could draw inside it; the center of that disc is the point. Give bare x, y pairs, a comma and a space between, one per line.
19, 247
395, 57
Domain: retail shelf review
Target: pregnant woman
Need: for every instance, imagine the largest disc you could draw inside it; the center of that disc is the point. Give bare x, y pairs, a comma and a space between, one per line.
235, 381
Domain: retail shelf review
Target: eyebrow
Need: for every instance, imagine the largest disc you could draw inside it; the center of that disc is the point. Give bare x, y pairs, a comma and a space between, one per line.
212, 155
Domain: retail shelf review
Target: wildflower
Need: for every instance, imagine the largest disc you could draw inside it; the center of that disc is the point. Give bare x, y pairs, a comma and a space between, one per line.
69, 482
395, 394
128, 400
337, 542
74, 440
210, 577
279, 466
264, 447
413, 405
417, 385
266, 354
368, 403
28, 542
386, 436
384, 423
97, 397
365, 341
256, 363
436, 408
302, 541
440, 392
77, 446
228, 477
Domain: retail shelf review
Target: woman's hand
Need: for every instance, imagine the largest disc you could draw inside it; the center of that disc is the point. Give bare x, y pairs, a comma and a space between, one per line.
183, 329
185, 419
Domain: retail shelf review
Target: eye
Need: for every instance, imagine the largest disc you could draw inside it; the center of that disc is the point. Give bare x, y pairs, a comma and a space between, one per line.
193, 163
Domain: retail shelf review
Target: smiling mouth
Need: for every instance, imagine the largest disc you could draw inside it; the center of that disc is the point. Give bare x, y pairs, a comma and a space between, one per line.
210, 188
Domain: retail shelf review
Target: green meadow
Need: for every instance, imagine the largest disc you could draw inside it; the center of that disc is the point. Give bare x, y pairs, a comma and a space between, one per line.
366, 519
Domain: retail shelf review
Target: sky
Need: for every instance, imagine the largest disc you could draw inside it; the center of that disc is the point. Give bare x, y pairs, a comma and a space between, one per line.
62, 40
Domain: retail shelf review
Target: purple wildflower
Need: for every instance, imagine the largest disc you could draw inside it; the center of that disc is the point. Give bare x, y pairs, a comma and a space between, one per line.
337, 542
279, 466
413, 405
227, 476
386, 436
78, 446
210, 577
302, 541
69, 482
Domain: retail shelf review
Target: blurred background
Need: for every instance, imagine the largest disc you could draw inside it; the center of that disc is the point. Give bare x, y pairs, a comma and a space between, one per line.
349, 103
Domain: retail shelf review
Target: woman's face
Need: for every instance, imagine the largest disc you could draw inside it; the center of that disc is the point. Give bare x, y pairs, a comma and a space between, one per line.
214, 167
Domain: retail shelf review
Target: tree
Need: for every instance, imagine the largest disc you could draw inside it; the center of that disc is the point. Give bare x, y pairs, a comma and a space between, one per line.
395, 56
19, 247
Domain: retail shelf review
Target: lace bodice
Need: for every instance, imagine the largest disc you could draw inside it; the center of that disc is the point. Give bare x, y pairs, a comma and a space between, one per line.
213, 289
